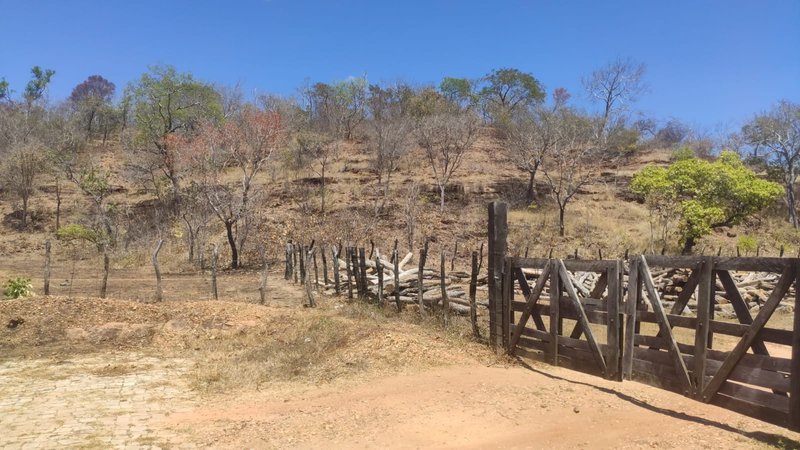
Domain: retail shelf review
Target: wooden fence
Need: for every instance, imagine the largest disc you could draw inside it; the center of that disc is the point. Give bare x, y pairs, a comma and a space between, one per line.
610, 318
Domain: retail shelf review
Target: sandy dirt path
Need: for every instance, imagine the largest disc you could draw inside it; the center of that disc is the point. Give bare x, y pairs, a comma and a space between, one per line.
476, 407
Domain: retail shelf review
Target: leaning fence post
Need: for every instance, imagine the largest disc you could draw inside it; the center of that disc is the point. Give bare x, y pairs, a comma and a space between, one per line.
423, 255
159, 289
473, 290
362, 268
498, 233
396, 260
309, 255
47, 267
379, 271
214, 261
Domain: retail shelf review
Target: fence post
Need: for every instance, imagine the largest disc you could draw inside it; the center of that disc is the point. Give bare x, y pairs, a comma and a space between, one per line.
498, 234
706, 289
396, 260
159, 289
634, 293
794, 381
214, 261
335, 251
473, 290
47, 267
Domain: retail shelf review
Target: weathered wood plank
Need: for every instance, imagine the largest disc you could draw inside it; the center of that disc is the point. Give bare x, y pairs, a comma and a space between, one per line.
776, 265
701, 335
576, 303
786, 280
794, 382
555, 295
663, 323
634, 295
531, 299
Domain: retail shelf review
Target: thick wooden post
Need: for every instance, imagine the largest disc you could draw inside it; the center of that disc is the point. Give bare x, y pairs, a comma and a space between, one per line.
287, 273
349, 265
214, 261
794, 381
379, 270
47, 267
362, 272
706, 288
325, 278
634, 293
295, 251
159, 289
308, 257
335, 251
498, 234
473, 290
301, 250
423, 255
555, 303
614, 324
443, 287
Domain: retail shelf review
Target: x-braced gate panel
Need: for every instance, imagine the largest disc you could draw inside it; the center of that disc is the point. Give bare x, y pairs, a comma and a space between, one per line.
565, 311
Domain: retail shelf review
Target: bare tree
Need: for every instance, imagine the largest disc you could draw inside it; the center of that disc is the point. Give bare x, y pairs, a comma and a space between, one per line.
317, 151
573, 159
530, 137
778, 133
446, 137
615, 86
21, 170
245, 143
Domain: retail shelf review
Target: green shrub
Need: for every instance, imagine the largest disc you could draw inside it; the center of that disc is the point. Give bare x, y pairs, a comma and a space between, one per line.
18, 287
747, 244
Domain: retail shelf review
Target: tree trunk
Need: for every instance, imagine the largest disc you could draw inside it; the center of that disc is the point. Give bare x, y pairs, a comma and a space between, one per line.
322, 190
214, 259
262, 289
562, 209
441, 196
688, 245
24, 212
531, 194
232, 243
47, 267
58, 205
791, 202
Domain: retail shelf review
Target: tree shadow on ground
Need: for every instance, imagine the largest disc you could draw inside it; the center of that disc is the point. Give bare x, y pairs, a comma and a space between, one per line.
774, 440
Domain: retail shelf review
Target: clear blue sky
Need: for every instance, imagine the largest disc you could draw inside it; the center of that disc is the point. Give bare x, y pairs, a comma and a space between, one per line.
708, 62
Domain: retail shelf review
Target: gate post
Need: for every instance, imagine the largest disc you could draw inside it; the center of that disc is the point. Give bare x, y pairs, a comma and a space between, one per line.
705, 302
794, 375
498, 236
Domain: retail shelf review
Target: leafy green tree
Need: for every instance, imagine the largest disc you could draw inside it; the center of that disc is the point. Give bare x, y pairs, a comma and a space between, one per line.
506, 91
706, 194
460, 91
5, 90
35, 88
167, 106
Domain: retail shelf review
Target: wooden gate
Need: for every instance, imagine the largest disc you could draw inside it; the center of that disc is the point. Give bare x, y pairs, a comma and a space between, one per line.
590, 314
740, 364
706, 342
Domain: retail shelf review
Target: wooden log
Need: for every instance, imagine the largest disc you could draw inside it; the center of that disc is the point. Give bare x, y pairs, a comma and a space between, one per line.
473, 287
262, 286
159, 288
214, 262
405, 260
47, 256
